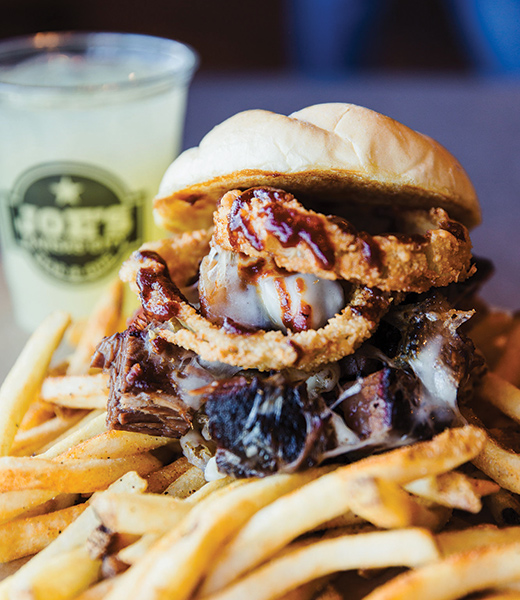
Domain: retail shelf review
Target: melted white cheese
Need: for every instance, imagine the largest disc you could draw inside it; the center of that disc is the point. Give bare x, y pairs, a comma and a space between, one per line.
305, 294
437, 380
223, 292
211, 472
272, 298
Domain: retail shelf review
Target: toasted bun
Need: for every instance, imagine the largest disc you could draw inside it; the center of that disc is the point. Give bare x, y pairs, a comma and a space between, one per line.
331, 152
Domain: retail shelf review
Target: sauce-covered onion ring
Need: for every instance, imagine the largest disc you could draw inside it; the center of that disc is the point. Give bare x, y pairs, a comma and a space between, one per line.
182, 253
268, 222
181, 324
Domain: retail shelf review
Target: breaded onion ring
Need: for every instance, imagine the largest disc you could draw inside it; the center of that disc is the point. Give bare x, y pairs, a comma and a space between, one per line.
182, 253
271, 222
183, 325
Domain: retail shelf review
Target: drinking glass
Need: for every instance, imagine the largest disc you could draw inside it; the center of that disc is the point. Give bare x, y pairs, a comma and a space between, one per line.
89, 123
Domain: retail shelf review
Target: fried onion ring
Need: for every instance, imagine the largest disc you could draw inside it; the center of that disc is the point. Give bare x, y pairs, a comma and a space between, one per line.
270, 222
181, 324
182, 253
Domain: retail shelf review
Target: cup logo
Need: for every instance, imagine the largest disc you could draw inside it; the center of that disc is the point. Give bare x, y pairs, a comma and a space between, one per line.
75, 221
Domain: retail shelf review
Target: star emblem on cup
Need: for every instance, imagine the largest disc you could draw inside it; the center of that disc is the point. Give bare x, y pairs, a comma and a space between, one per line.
67, 191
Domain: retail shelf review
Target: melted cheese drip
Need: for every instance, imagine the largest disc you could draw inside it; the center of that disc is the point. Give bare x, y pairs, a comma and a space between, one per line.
435, 377
272, 298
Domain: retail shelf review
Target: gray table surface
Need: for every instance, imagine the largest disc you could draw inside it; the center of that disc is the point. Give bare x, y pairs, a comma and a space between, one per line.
478, 120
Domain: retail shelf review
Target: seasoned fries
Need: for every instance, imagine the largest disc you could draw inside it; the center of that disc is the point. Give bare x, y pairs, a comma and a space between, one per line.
145, 513
76, 391
405, 547
456, 576
104, 320
69, 475
281, 522
23, 537
508, 366
23, 382
118, 515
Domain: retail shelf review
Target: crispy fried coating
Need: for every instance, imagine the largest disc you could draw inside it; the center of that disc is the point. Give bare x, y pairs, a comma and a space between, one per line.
182, 253
181, 324
266, 350
268, 222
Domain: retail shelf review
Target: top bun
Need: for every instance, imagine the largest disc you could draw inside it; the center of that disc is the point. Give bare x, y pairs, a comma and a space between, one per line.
331, 152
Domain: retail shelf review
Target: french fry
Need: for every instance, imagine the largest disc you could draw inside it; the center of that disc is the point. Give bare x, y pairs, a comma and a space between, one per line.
502, 394
59, 502
379, 502
8, 569
402, 547
159, 480
210, 488
90, 426
303, 510
25, 378
186, 484
455, 542
134, 552
115, 444
386, 505
76, 391
37, 413
513, 586
176, 563
455, 576
453, 489
15, 503
344, 521
504, 507
69, 475
103, 321
24, 537
484, 487
29, 441
139, 514
508, 365
74, 536
98, 591
498, 463
502, 465
65, 576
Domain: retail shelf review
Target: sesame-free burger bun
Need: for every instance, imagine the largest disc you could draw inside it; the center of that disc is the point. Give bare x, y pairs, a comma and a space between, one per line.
333, 153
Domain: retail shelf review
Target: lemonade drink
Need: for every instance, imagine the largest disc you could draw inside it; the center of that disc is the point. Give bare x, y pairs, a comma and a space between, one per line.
89, 124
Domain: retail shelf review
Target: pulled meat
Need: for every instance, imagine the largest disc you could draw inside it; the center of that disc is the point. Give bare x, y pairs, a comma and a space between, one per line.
142, 396
266, 425
401, 386
384, 404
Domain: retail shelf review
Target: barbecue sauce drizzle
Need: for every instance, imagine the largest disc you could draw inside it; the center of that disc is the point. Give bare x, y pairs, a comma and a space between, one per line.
158, 292
288, 226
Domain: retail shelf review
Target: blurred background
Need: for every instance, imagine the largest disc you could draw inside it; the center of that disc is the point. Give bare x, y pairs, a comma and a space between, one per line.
327, 38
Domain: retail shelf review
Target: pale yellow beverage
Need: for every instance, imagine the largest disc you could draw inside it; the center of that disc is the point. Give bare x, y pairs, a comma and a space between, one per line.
89, 123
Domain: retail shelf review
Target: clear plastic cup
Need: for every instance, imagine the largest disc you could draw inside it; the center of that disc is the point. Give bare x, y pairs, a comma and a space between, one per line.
89, 123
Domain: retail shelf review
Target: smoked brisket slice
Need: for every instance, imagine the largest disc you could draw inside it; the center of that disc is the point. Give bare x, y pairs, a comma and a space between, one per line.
266, 425
143, 398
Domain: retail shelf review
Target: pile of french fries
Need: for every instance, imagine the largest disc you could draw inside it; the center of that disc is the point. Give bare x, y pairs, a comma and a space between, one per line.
87, 513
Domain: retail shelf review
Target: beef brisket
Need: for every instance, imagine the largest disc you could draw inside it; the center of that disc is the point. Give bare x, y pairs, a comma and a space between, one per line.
266, 425
143, 397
